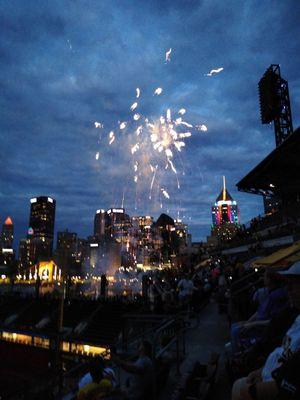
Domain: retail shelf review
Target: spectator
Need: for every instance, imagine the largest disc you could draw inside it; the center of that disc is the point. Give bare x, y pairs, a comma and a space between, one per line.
261, 383
108, 373
276, 301
272, 336
186, 287
98, 386
260, 295
103, 285
141, 373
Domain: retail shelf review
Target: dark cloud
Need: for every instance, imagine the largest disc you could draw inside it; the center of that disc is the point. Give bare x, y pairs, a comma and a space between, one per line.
64, 65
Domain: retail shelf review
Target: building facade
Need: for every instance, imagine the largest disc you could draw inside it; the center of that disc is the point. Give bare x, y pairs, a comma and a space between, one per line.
225, 214
41, 225
7, 255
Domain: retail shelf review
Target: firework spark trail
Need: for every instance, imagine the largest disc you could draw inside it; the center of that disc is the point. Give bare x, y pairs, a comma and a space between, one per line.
134, 106
135, 148
138, 92
139, 130
168, 55
202, 128
158, 91
97, 155
154, 170
165, 193
70, 44
111, 137
215, 71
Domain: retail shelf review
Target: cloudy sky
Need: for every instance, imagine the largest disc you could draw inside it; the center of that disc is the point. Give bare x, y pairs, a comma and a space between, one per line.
66, 64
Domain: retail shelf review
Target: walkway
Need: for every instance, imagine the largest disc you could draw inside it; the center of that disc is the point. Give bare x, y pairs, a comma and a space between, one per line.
209, 336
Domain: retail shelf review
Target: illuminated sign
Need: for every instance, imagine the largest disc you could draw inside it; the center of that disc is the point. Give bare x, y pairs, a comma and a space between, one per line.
47, 271
100, 211
116, 211
34, 200
7, 251
50, 200
94, 245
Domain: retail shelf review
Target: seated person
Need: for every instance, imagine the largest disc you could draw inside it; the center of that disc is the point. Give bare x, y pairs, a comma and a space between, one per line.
264, 383
141, 373
272, 336
98, 387
276, 301
108, 373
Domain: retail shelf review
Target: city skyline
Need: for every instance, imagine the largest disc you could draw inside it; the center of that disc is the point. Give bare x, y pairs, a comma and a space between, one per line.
29, 232
76, 68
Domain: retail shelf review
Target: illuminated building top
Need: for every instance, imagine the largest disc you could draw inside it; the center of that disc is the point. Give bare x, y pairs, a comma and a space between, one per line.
225, 209
8, 221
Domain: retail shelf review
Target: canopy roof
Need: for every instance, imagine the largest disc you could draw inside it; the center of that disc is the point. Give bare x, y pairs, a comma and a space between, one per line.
277, 173
281, 257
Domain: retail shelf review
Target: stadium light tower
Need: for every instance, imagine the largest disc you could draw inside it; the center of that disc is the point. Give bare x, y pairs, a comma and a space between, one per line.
275, 103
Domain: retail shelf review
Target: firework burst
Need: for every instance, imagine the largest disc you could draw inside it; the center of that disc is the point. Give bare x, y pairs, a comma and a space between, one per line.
155, 143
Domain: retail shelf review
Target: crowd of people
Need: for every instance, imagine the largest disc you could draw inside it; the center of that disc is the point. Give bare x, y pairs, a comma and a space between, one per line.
100, 380
266, 347
263, 228
264, 350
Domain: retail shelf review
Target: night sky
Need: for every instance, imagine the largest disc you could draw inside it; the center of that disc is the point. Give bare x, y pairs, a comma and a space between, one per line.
66, 64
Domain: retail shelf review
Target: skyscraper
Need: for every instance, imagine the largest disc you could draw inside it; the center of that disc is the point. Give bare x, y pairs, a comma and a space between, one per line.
119, 224
7, 234
225, 210
66, 249
101, 222
6, 242
41, 222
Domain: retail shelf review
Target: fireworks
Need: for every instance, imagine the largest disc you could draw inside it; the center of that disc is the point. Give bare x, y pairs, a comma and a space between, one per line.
158, 91
155, 143
168, 55
215, 71
202, 128
111, 137
134, 106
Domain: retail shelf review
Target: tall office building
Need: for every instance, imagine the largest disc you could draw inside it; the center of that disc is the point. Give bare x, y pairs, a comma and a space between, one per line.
119, 225
7, 234
66, 241
41, 223
101, 222
66, 250
225, 210
225, 215
27, 253
6, 242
